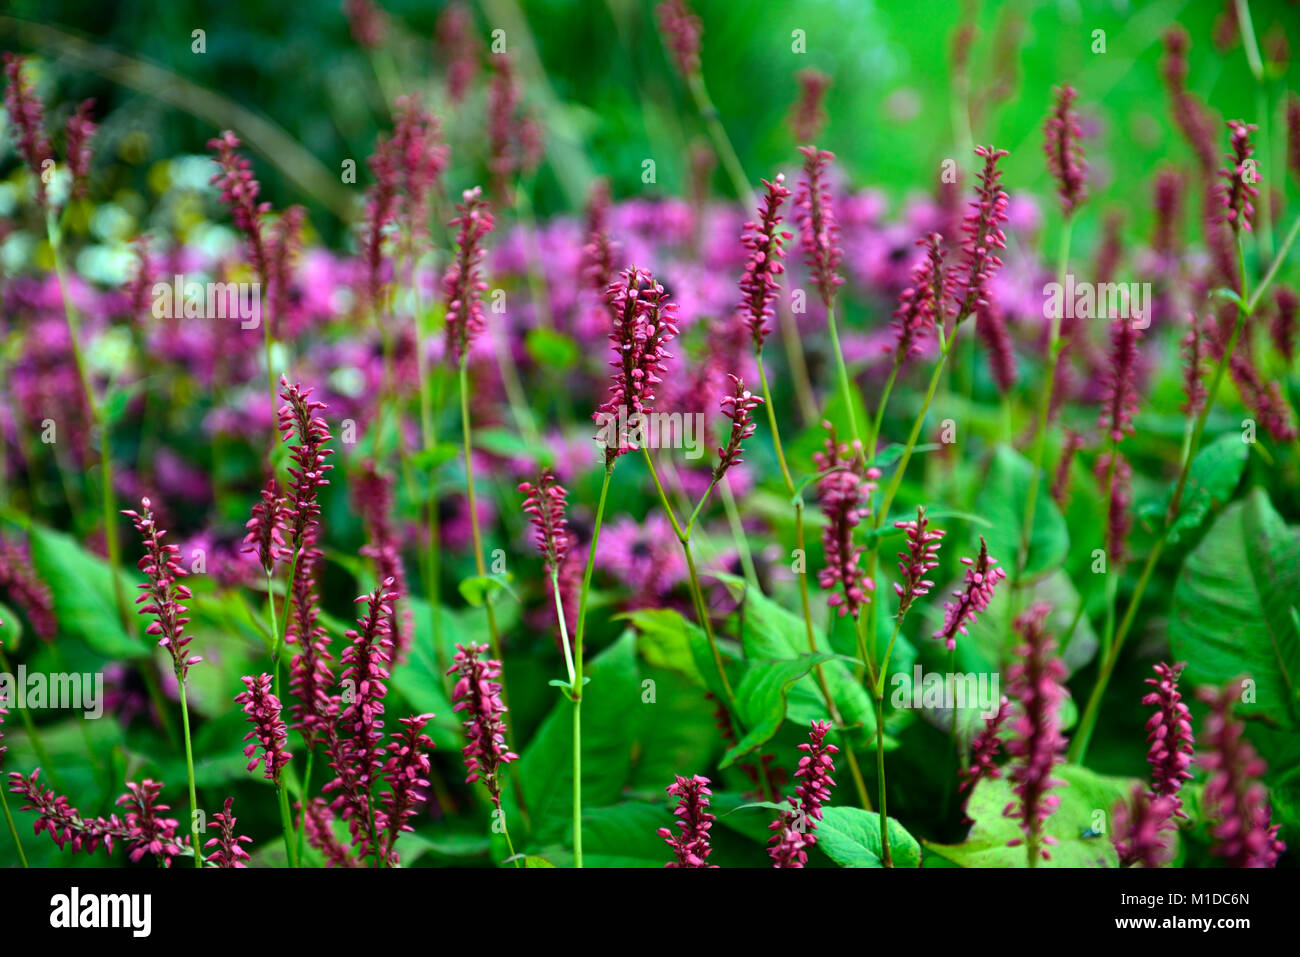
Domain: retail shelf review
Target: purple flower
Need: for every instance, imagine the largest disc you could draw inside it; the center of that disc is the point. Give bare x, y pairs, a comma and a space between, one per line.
298, 419
918, 304
681, 29
1138, 828
808, 115
691, 847
764, 242
478, 694
1121, 398
147, 831
1169, 730
1064, 153
457, 47
545, 504
739, 406
818, 232
1238, 192
1193, 348
19, 580
972, 598
263, 710
843, 495
311, 677
229, 846
373, 494
78, 134
63, 822
368, 23
596, 265
1283, 328
406, 772
918, 561
318, 827
1117, 484
27, 117
463, 284
239, 190
796, 829
1061, 483
1234, 798
982, 226
265, 536
984, 750
1036, 745
163, 593
991, 326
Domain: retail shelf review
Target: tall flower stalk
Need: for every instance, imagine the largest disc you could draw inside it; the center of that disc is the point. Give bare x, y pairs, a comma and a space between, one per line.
270, 735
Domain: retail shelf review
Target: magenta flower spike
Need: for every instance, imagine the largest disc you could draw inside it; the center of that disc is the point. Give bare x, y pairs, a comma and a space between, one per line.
973, 597
919, 303
318, 828
407, 773
818, 230
918, 561
269, 732
18, 580
228, 847
764, 241
1120, 400
265, 536
311, 677
147, 831
77, 136
1036, 744
1117, 485
808, 116
843, 494
1169, 730
56, 816
478, 694
1140, 826
796, 829
739, 407
239, 190
27, 119
545, 504
1243, 833
298, 419
690, 847
984, 750
463, 284
373, 494
1238, 192
681, 31
163, 592
983, 237
1065, 160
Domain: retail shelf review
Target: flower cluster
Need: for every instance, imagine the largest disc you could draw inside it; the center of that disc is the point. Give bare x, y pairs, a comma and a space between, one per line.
681, 30
690, 847
918, 561
1169, 730
1238, 192
19, 580
984, 750
764, 242
263, 710
1064, 152
972, 598
983, 236
478, 694
545, 503
147, 831
163, 592
373, 492
27, 118
229, 851
298, 419
265, 536
406, 771
239, 190
463, 284
843, 494
808, 115
819, 232
739, 407
1139, 827
796, 829
919, 303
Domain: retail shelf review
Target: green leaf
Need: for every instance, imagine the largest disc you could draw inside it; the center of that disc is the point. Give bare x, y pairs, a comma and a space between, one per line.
81, 586
1231, 613
480, 590
667, 640
510, 445
1214, 475
427, 459
1083, 796
850, 837
1002, 501
532, 860
761, 699
11, 630
551, 349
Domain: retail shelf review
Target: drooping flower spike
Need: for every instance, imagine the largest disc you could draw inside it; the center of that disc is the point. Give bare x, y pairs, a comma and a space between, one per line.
982, 574
690, 847
269, 732
163, 592
478, 694
738, 406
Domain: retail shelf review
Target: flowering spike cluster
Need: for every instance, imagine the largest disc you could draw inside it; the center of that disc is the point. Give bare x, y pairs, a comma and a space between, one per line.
796, 829
229, 851
681, 30
1120, 401
1237, 193
644, 322
991, 326
310, 674
691, 847
1061, 483
318, 827
77, 136
1036, 744
265, 536
163, 593
1169, 209
454, 35
739, 407
27, 119
283, 244
918, 561
406, 772
381, 211
984, 750
1193, 348
478, 694
1234, 798
819, 233
263, 710
1139, 826
545, 503
298, 419
19, 581
373, 493
1117, 485
972, 598
764, 242
1283, 328
808, 115
463, 284
1064, 152
843, 495
596, 265
918, 304
982, 227
56, 816
148, 832
367, 21
239, 190
1169, 730
422, 159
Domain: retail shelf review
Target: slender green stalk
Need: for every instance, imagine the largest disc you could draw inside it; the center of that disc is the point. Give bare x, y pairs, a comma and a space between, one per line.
885, 857
874, 436
842, 372
189, 770
738, 535
577, 782
306, 796
286, 825
13, 831
718, 134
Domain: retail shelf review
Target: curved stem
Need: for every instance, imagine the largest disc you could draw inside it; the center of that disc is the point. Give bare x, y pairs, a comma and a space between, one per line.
189, 769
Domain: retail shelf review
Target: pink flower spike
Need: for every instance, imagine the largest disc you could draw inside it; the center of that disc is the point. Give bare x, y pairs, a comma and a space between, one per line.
1238, 192
263, 710
1064, 153
478, 694
229, 847
739, 406
691, 846
764, 241
27, 120
918, 561
463, 284
973, 598
163, 592
545, 505
819, 232
796, 829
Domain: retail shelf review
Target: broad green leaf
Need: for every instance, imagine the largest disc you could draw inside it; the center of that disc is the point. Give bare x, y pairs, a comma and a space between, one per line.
1084, 796
551, 349
667, 639
850, 837
81, 586
761, 699
1002, 501
11, 630
479, 590
1214, 475
1231, 613
532, 860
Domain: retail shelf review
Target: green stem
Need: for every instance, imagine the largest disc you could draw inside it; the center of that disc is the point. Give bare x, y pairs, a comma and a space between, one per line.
885, 856
286, 825
874, 435
189, 770
577, 782
738, 535
13, 831
842, 372
306, 796
721, 143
